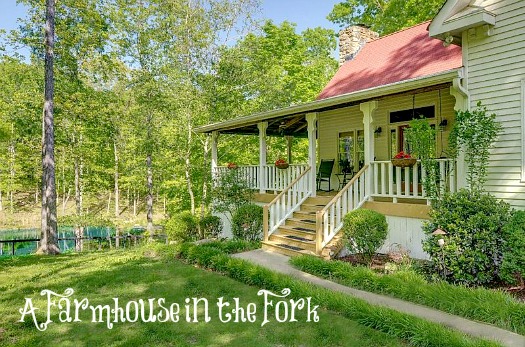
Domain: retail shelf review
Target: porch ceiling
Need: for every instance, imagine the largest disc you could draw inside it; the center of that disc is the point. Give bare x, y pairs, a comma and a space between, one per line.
291, 120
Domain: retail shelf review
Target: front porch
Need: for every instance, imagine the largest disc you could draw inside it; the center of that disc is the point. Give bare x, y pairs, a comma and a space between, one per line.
360, 137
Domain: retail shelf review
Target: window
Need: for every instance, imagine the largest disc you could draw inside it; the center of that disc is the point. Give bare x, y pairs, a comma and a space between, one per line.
351, 151
413, 113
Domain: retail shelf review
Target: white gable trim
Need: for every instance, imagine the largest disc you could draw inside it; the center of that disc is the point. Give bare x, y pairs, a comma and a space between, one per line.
457, 16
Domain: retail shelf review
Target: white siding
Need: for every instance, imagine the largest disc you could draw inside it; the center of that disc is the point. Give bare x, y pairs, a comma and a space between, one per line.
406, 232
495, 68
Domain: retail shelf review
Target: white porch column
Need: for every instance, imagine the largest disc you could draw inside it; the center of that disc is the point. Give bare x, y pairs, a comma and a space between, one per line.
214, 156
462, 104
368, 109
262, 126
311, 119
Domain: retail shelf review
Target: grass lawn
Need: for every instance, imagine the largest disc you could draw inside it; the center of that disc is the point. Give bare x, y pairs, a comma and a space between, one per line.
128, 275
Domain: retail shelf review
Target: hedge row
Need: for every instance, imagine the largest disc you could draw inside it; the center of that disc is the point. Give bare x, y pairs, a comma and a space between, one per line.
480, 304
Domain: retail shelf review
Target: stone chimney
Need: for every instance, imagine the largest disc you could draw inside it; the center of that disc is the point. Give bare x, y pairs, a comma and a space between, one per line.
352, 39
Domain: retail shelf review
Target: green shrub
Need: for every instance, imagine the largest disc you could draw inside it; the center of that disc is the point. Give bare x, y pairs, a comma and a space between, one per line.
182, 227
247, 223
513, 266
472, 251
211, 227
365, 231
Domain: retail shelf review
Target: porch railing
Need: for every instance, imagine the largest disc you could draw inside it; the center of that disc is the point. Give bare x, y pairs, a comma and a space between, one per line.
250, 173
286, 203
279, 179
396, 182
330, 219
276, 179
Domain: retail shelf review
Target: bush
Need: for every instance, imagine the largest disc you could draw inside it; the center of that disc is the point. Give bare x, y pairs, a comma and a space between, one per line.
472, 251
513, 266
365, 231
182, 227
211, 227
247, 223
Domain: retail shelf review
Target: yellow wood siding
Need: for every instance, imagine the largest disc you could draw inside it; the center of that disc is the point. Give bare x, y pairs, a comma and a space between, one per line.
332, 123
495, 67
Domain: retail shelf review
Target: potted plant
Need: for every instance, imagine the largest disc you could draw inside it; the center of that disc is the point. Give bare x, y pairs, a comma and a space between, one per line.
281, 164
232, 166
403, 159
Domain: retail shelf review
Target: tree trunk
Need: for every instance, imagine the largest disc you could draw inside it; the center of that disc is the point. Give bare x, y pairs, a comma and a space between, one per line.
65, 199
117, 191
134, 203
79, 234
49, 237
149, 200
117, 235
78, 186
109, 204
187, 169
149, 162
12, 172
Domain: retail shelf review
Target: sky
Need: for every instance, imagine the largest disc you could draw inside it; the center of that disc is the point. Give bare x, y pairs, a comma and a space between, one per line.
306, 14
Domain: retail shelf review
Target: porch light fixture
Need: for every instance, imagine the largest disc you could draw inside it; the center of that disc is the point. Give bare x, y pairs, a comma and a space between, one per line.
443, 124
378, 131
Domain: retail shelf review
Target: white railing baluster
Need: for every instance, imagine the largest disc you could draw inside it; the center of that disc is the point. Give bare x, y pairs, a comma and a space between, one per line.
442, 176
376, 177
383, 179
415, 179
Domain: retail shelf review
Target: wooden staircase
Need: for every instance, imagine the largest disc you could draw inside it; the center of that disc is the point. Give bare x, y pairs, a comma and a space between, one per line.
297, 236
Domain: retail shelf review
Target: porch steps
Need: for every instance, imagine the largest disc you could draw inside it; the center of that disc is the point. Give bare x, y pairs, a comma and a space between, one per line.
297, 236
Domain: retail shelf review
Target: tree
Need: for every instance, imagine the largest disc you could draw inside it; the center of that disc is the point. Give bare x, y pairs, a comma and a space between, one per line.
384, 16
49, 234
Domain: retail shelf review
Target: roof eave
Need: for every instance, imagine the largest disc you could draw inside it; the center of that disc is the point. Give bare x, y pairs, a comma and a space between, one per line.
313, 106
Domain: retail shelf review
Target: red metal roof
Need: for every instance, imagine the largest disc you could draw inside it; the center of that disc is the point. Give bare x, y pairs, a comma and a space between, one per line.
403, 55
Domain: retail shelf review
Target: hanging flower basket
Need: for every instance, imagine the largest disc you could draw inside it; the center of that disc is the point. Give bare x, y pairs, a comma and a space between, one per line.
281, 164
404, 162
232, 166
403, 159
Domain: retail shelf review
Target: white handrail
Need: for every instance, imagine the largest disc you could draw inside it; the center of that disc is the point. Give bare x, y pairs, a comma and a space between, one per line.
330, 219
286, 203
